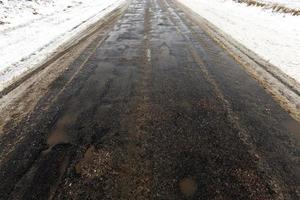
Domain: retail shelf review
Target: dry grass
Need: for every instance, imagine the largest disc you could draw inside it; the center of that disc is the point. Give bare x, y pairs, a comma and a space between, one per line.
274, 7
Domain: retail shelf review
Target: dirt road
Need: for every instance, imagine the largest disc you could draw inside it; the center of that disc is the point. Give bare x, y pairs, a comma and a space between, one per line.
152, 109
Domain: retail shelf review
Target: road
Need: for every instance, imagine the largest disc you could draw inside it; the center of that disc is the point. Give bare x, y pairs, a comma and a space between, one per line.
155, 109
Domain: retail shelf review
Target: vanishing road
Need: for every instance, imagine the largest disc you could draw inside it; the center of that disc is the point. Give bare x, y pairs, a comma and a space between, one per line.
153, 108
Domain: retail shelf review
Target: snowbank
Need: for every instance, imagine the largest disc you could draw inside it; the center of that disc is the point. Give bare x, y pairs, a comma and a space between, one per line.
32, 30
273, 36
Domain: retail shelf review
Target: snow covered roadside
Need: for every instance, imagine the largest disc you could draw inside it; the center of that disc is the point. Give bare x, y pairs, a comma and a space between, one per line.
273, 36
30, 31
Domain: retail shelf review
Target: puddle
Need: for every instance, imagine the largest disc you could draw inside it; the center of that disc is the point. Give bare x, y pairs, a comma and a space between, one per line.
188, 186
59, 134
294, 128
57, 137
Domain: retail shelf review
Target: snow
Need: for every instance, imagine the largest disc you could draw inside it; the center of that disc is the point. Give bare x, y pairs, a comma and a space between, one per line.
30, 31
273, 36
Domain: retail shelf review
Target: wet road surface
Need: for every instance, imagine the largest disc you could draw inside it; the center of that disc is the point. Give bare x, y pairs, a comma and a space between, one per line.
157, 111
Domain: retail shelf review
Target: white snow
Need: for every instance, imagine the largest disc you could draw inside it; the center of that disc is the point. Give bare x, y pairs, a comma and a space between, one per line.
273, 36
30, 31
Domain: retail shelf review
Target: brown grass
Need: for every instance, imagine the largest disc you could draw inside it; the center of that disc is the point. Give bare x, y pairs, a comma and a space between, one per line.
274, 7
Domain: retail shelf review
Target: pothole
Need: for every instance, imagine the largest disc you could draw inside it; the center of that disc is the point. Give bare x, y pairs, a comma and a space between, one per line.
59, 134
188, 186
